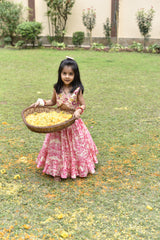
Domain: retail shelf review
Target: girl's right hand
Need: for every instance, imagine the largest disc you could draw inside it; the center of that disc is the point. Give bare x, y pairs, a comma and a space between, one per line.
40, 102
77, 113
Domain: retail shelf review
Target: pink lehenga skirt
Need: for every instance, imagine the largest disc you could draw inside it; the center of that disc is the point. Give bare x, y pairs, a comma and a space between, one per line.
70, 152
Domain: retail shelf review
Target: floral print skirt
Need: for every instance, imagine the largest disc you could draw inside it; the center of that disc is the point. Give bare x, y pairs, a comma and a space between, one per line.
70, 152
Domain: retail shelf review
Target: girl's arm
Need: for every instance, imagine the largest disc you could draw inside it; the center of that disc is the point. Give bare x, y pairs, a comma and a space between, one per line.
82, 106
51, 102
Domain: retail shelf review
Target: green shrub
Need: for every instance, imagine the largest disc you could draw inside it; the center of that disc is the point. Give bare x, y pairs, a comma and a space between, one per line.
116, 47
154, 48
78, 38
58, 45
50, 39
20, 43
137, 46
1, 43
98, 46
7, 40
10, 14
29, 31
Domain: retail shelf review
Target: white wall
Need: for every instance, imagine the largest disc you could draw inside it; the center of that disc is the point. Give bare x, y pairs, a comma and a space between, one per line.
40, 14
103, 10
128, 27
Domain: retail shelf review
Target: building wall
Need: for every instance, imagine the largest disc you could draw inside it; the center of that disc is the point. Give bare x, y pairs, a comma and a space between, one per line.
40, 14
127, 30
128, 27
74, 23
103, 10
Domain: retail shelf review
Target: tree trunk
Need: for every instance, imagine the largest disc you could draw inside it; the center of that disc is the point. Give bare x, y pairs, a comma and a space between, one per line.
91, 38
144, 42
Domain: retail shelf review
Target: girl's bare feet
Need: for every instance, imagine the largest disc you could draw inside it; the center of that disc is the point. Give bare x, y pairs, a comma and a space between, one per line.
57, 179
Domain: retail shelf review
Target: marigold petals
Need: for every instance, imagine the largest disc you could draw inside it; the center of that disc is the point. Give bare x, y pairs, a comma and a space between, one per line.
149, 208
25, 226
17, 177
60, 216
2, 171
64, 234
47, 119
4, 123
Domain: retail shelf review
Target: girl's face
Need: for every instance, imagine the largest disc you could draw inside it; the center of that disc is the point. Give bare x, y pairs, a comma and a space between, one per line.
67, 75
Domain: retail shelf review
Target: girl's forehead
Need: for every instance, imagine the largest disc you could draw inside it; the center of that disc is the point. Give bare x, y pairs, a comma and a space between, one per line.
67, 68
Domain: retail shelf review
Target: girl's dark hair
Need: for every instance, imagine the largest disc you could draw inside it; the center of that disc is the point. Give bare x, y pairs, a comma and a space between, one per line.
76, 82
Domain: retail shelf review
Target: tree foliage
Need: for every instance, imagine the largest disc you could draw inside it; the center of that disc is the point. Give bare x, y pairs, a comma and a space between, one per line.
89, 21
58, 11
144, 20
107, 30
10, 15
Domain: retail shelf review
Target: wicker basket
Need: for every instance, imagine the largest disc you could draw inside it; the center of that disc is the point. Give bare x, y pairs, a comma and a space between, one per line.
47, 129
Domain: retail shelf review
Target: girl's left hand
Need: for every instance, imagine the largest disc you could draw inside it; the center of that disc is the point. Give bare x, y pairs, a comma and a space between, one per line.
77, 113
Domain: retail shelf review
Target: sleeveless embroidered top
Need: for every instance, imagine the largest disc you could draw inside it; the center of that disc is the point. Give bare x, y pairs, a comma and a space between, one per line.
69, 99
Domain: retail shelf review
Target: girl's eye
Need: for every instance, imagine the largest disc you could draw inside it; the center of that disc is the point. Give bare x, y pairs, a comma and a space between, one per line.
68, 73
71, 74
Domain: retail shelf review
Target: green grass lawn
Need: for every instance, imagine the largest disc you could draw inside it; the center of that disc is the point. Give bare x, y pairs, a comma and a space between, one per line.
122, 201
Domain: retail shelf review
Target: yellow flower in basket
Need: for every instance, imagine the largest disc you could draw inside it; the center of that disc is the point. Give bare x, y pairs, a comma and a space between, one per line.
47, 118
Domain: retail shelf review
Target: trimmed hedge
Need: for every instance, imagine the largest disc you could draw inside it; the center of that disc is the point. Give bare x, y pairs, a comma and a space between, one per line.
29, 31
78, 38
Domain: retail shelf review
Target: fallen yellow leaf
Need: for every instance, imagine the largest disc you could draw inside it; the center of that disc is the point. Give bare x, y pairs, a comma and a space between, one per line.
26, 226
149, 207
64, 234
23, 159
4, 123
121, 108
3, 171
50, 219
60, 216
17, 176
112, 149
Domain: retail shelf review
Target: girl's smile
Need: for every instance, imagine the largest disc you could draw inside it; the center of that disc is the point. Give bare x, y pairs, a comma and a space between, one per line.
67, 75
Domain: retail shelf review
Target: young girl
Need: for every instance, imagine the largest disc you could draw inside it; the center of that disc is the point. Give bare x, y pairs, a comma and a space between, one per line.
70, 152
